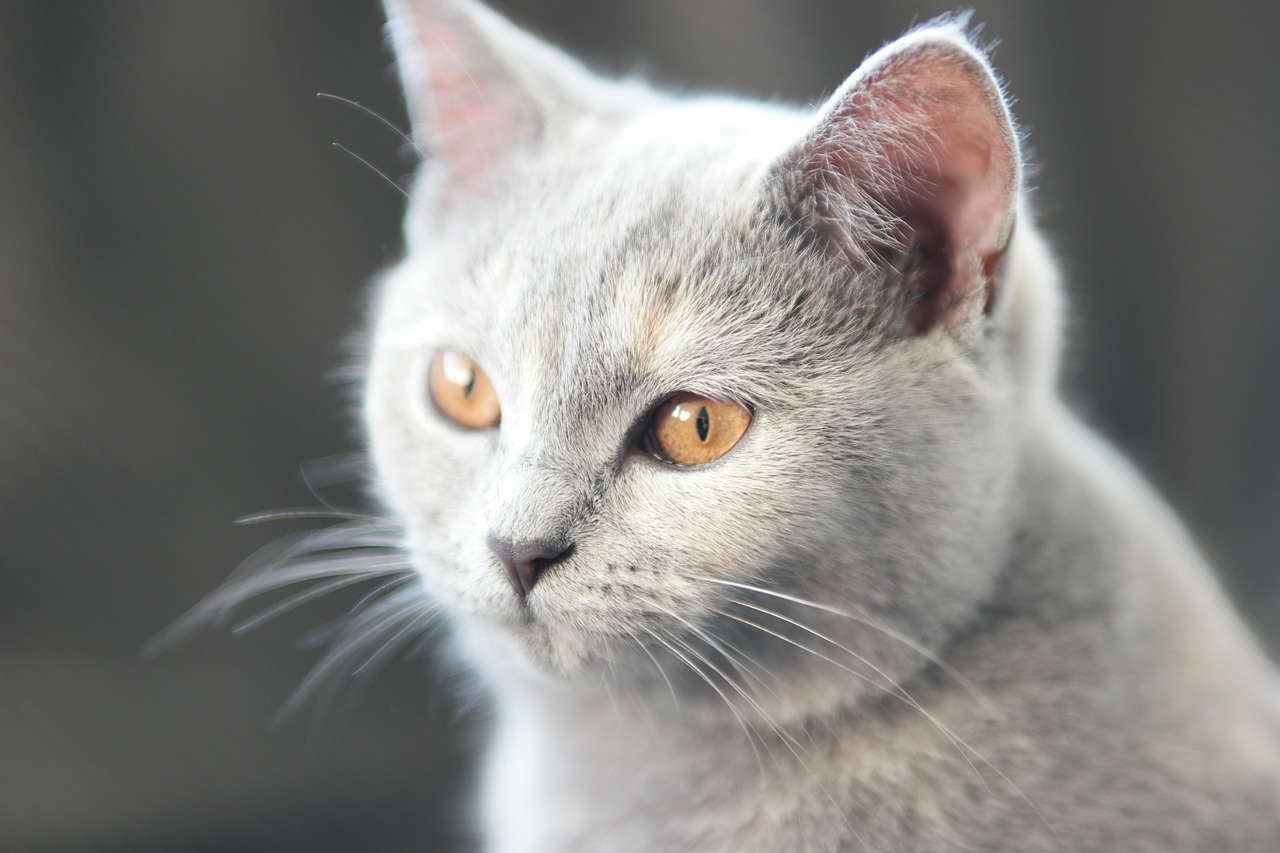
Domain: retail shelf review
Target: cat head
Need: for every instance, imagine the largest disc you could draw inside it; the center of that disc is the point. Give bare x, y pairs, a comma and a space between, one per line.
701, 381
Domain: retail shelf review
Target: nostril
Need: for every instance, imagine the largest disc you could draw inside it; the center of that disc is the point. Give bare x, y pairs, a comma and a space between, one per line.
526, 560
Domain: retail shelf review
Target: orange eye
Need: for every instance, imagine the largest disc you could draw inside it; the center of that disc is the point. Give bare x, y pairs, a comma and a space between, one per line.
462, 391
690, 429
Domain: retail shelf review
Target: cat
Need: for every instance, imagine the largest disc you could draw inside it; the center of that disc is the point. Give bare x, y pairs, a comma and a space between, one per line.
724, 437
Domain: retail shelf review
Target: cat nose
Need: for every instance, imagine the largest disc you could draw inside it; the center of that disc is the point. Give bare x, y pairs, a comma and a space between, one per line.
527, 559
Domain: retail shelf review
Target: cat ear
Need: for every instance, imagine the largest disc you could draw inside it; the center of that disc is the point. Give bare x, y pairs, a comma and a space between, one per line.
915, 161
479, 90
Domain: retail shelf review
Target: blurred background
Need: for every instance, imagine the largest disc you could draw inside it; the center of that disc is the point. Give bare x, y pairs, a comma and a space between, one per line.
183, 251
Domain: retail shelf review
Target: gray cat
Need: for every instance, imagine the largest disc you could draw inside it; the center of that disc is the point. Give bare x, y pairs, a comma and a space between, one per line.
726, 437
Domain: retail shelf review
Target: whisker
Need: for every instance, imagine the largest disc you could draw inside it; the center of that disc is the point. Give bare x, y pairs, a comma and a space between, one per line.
223, 600
381, 174
741, 691
963, 748
875, 625
381, 119
303, 512
217, 606
788, 740
424, 640
384, 587
355, 533
332, 470
894, 689
286, 548
889, 680
719, 647
393, 643
792, 641
372, 626
360, 548
606, 683
675, 702
747, 728
897, 691
311, 593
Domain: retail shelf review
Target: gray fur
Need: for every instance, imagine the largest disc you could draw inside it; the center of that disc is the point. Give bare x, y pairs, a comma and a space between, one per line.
917, 608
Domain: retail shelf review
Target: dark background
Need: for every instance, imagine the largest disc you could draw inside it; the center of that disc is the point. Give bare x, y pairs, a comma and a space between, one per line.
182, 252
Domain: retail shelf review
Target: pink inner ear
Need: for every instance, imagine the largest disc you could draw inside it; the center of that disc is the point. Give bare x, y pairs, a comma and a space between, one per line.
936, 114
956, 160
472, 123
471, 114
923, 131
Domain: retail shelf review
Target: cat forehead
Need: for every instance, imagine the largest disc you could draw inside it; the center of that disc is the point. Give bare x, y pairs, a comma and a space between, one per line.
607, 181
615, 167
636, 254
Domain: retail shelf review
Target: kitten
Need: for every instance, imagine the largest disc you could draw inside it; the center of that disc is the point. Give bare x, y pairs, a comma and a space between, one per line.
726, 437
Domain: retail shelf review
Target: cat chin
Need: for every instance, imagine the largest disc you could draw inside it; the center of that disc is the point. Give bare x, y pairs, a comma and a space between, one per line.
541, 651
551, 658
532, 651
505, 638
534, 663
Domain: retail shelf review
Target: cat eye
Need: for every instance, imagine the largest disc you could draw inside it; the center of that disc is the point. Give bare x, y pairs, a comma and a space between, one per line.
462, 392
689, 429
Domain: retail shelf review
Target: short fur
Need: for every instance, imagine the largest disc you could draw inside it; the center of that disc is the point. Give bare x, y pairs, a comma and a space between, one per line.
919, 607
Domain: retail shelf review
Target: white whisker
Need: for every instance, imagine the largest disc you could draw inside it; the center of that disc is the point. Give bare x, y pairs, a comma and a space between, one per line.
372, 627
311, 593
675, 702
381, 119
381, 174
393, 643
786, 738
873, 624
381, 589
963, 748
747, 728
893, 687
744, 667
307, 513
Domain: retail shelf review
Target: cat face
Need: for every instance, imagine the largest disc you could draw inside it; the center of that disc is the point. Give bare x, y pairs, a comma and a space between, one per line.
832, 287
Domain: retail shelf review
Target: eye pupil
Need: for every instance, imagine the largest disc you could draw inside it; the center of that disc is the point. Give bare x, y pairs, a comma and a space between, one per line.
703, 424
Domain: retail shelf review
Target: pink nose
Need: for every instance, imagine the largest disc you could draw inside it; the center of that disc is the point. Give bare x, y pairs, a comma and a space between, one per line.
525, 561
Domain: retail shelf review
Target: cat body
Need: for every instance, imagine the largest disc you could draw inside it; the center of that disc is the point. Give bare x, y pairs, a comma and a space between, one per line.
916, 607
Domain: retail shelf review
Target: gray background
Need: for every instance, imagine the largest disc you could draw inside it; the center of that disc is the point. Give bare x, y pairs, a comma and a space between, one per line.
182, 251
